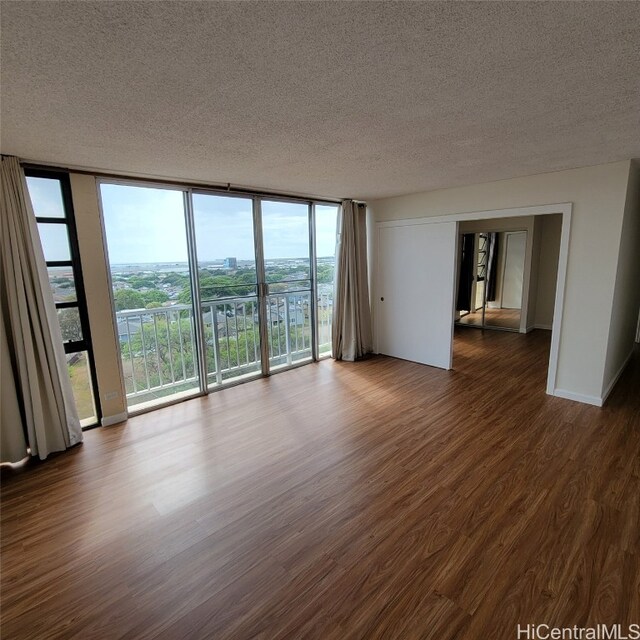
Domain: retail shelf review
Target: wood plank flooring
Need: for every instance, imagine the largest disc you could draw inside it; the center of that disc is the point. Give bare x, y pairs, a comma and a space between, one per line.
382, 499
501, 318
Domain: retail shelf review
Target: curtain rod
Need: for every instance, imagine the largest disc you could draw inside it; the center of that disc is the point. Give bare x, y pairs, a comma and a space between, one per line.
27, 164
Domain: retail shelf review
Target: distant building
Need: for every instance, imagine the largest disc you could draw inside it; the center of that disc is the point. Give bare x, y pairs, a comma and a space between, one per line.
230, 263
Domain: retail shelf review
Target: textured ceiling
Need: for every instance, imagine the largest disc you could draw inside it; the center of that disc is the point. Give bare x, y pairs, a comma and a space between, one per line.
360, 99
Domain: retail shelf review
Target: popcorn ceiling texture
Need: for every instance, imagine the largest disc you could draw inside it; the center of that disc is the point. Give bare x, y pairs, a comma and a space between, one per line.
344, 99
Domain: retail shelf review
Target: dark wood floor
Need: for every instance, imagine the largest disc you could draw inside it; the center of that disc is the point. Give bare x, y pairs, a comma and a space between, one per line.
382, 499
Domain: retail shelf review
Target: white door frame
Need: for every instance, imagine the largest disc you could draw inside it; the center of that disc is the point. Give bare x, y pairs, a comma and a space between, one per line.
563, 208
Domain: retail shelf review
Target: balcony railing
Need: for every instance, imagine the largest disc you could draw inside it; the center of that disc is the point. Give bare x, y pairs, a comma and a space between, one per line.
158, 349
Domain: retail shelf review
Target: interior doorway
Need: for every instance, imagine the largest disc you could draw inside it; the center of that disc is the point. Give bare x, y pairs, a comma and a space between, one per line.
490, 279
417, 280
508, 270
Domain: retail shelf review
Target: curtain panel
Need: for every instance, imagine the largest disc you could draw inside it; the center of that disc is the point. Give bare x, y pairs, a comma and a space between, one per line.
351, 330
38, 413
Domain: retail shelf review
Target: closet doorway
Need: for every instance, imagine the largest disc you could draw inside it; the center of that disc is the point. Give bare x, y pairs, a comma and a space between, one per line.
491, 274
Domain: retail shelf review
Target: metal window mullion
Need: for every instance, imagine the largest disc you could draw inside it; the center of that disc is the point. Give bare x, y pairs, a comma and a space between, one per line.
263, 289
313, 312
198, 345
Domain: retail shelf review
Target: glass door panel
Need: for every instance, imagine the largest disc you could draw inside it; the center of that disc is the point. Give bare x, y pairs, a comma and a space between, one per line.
504, 309
287, 268
149, 261
228, 286
326, 218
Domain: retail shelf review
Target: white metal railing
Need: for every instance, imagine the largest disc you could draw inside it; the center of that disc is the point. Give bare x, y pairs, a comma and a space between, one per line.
289, 327
324, 311
158, 346
232, 337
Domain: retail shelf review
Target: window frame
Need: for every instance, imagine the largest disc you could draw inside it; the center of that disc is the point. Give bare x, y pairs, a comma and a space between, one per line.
75, 264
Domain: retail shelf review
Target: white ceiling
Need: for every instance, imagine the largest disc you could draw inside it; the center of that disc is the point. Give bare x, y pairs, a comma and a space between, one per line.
359, 99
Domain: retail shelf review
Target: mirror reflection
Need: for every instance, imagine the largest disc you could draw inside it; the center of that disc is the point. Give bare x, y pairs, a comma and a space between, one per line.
490, 279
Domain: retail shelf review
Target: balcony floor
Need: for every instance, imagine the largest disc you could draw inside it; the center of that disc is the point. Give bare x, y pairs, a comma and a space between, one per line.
382, 499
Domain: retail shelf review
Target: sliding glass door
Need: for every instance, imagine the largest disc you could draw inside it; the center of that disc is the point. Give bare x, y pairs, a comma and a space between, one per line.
288, 285
228, 286
146, 237
213, 288
325, 218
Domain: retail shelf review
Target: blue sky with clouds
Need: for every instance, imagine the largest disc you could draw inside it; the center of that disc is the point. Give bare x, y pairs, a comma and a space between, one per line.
145, 224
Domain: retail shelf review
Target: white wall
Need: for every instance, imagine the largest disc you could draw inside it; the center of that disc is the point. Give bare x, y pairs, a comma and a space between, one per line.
598, 195
626, 296
548, 245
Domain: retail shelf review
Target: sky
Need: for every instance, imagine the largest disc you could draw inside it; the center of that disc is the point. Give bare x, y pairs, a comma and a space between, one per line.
46, 199
145, 224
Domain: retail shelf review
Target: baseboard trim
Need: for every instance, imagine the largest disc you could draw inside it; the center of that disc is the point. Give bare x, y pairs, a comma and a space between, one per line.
107, 421
615, 379
531, 327
578, 397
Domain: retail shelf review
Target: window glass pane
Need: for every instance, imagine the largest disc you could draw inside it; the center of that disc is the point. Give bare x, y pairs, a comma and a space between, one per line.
147, 243
326, 221
287, 268
225, 246
289, 285
46, 197
62, 284
55, 241
285, 231
69, 320
80, 375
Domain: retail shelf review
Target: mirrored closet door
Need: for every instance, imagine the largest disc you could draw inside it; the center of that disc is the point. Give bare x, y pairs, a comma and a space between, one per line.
490, 279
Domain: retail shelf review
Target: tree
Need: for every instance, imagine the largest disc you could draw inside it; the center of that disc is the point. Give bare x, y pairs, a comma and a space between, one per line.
70, 327
155, 296
140, 282
325, 273
128, 299
219, 286
175, 278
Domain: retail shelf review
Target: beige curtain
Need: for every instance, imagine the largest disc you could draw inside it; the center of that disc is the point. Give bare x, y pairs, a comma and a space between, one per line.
351, 330
38, 411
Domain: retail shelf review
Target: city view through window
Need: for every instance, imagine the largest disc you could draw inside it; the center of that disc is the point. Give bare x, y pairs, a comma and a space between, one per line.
149, 256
